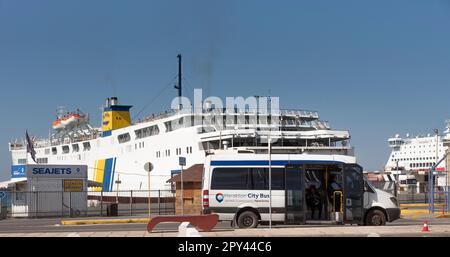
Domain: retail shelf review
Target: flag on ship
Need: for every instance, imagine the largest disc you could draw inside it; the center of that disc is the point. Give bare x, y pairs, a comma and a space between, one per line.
30, 148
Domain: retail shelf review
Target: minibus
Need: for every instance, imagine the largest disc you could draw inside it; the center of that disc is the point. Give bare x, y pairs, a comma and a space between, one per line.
305, 188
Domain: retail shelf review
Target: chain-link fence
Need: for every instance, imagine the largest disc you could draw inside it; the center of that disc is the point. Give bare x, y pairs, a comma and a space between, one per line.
90, 203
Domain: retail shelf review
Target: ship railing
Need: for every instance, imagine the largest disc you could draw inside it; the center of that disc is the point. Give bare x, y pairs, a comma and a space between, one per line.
16, 146
61, 141
249, 111
332, 136
297, 125
320, 124
346, 150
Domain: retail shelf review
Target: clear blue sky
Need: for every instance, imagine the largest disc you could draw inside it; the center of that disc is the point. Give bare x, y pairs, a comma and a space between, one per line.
373, 67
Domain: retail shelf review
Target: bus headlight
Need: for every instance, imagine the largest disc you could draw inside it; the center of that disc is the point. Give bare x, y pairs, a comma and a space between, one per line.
394, 200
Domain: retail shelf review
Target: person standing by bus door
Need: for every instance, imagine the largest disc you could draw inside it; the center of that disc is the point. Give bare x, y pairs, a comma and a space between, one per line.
314, 201
336, 187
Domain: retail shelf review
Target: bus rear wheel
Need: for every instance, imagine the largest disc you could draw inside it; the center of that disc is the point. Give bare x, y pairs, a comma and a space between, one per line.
247, 219
375, 218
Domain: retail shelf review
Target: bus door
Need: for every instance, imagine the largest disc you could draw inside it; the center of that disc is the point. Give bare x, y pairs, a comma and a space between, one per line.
353, 194
295, 195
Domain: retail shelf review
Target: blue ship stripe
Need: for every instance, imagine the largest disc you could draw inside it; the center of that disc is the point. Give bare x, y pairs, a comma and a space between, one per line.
107, 175
107, 133
113, 172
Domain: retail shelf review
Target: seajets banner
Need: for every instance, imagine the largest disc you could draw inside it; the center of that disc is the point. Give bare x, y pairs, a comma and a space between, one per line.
56, 171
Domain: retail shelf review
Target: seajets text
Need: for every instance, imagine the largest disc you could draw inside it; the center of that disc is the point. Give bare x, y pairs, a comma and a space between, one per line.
56, 171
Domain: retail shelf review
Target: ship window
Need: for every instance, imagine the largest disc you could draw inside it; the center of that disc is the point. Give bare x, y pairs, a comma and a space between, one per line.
65, 149
168, 126
86, 146
123, 138
147, 131
42, 160
54, 151
47, 151
22, 161
75, 148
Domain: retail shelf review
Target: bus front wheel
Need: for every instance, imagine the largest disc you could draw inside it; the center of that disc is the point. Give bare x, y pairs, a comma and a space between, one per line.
247, 219
375, 218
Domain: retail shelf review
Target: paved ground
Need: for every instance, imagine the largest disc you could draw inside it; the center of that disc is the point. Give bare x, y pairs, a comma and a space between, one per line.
410, 225
51, 227
403, 230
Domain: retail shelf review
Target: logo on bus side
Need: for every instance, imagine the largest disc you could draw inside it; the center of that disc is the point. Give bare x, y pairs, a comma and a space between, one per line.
219, 197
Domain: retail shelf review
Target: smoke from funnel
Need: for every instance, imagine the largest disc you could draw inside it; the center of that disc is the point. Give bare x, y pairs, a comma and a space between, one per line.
205, 64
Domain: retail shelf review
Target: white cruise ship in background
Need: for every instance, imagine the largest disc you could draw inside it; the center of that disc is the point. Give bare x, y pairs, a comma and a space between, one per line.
120, 147
415, 155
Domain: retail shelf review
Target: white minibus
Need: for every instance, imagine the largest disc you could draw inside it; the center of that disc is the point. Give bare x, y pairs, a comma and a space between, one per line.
306, 188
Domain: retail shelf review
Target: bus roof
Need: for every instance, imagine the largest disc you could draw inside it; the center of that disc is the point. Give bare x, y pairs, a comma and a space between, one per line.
251, 159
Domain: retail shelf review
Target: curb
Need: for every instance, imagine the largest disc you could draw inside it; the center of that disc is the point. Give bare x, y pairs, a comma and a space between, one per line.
103, 221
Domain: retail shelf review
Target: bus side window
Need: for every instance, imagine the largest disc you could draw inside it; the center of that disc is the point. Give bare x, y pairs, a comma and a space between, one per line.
231, 178
259, 179
277, 178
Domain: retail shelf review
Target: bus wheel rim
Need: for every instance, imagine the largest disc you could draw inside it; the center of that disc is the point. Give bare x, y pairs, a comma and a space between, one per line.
376, 220
248, 221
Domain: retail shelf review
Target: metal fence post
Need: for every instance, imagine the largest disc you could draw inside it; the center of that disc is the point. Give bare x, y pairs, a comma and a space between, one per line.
426, 194
131, 203
36, 204
159, 202
447, 199
62, 203
70, 204
101, 203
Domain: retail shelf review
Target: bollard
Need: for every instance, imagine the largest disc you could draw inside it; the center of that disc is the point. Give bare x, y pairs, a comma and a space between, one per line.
131, 203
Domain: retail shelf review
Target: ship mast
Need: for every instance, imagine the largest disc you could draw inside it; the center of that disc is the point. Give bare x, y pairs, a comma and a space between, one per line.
179, 81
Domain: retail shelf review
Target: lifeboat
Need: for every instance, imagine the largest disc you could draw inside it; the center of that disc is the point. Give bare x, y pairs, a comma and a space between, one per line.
57, 125
71, 119
68, 121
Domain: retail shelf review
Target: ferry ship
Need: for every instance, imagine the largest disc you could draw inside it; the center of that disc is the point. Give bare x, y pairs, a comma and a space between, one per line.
418, 153
120, 147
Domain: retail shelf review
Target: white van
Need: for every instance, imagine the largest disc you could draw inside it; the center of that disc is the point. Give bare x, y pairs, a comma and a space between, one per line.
305, 188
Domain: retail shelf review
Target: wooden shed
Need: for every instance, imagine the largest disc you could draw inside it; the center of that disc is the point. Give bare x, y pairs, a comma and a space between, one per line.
192, 190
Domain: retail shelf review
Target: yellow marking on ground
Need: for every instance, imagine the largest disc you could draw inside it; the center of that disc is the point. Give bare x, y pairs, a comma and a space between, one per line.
103, 221
418, 205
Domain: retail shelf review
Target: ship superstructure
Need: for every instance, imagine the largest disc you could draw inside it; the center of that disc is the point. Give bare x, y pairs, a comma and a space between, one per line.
418, 153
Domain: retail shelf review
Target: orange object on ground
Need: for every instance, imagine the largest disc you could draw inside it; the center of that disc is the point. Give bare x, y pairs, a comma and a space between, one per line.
425, 227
